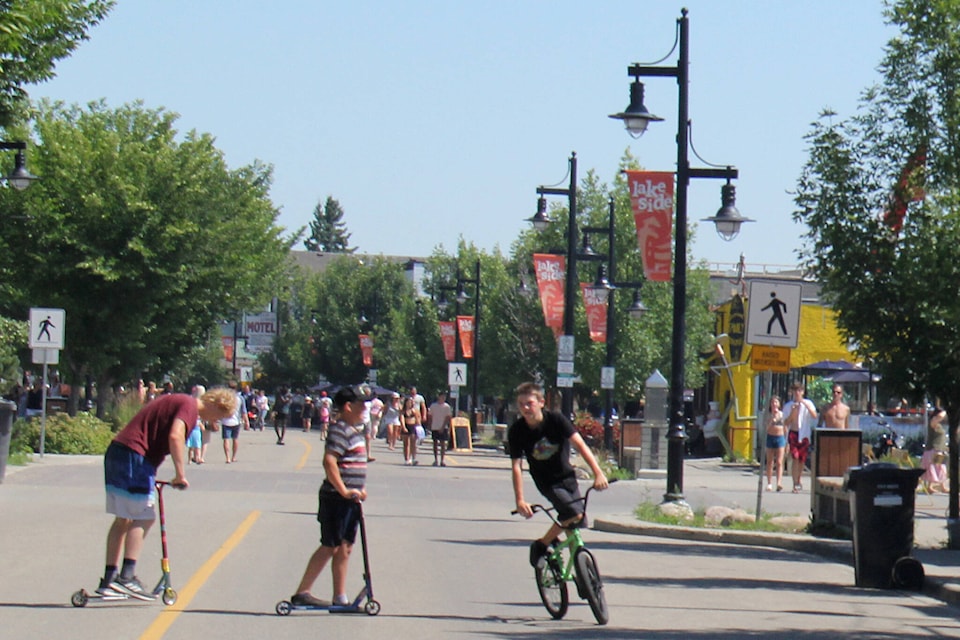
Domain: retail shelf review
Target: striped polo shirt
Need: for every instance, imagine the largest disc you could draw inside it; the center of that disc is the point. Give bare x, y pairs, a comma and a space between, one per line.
349, 445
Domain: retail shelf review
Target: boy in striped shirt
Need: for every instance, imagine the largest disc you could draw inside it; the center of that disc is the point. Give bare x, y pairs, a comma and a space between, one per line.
345, 464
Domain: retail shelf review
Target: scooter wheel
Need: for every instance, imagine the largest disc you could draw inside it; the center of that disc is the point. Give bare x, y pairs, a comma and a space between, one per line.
372, 607
169, 596
79, 599
284, 608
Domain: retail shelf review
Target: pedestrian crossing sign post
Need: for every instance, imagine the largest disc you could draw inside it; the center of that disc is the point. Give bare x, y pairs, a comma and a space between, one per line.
457, 374
773, 317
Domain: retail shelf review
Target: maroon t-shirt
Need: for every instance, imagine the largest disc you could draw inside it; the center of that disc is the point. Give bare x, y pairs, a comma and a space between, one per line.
148, 433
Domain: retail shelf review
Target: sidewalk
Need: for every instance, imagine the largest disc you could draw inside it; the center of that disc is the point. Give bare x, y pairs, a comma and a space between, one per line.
709, 482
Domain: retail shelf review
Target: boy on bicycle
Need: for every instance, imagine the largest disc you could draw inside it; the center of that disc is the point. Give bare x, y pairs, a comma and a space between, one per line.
543, 437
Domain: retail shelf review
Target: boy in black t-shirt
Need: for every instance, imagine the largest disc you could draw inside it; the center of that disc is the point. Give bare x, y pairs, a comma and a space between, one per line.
543, 438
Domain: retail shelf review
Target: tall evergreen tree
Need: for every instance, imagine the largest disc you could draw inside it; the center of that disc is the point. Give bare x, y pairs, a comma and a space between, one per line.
328, 232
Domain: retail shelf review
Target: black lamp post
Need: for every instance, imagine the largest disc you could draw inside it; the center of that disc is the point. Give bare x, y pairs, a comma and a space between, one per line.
540, 222
19, 178
606, 279
636, 117
461, 297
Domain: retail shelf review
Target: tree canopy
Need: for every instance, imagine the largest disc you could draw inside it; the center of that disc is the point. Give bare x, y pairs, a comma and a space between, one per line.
143, 238
34, 35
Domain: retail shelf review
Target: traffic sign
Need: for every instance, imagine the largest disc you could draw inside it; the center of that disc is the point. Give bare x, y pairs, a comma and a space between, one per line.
773, 318
565, 349
608, 377
46, 328
457, 374
765, 358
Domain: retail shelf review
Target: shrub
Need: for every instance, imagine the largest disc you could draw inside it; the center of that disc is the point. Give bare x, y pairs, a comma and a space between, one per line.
592, 430
83, 434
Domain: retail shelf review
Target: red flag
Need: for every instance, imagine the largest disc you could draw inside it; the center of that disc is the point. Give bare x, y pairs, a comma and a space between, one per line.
550, 281
448, 336
909, 188
466, 327
366, 349
651, 195
595, 301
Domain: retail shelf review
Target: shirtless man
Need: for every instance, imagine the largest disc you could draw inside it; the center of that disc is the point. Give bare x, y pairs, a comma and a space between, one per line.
836, 414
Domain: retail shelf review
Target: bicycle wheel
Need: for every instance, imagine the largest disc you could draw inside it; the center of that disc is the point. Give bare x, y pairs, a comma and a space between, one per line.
592, 584
552, 588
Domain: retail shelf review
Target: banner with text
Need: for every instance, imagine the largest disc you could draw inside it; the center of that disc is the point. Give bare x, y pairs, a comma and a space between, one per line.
595, 302
550, 271
448, 337
651, 195
465, 327
366, 349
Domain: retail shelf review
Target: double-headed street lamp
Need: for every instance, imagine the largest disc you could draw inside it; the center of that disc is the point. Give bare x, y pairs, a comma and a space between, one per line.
540, 222
19, 178
606, 280
728, 220
461, 297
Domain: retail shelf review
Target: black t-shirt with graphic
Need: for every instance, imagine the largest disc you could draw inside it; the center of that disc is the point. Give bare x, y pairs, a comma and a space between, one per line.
546, 448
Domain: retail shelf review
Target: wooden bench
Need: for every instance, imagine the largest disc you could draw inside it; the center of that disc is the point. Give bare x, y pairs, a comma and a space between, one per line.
835, 451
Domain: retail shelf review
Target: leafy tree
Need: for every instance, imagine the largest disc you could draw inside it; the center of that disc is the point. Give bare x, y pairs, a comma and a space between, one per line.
145, 240
880, 194
34, 35
328, 232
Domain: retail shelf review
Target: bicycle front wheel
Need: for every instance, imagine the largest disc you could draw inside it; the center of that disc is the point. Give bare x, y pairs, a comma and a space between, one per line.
589, 577
553, 589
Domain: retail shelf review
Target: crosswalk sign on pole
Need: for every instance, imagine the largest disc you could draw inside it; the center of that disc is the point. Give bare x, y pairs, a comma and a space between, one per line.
46, 328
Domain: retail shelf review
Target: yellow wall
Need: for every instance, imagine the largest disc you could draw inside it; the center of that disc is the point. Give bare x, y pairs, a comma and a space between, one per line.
819, 340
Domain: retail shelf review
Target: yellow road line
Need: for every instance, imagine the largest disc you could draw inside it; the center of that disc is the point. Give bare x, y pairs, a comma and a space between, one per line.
306, 454
167, 617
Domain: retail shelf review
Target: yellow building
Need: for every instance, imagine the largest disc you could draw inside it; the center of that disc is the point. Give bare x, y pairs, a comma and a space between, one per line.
733, 382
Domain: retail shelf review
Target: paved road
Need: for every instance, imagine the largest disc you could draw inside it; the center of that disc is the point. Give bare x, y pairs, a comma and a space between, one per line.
448, 561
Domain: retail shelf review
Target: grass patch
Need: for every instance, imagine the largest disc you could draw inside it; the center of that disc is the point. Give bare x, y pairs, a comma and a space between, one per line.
19, 458
650, 512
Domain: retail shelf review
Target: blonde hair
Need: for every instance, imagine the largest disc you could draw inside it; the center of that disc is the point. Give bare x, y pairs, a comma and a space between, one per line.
529, 389
224, 399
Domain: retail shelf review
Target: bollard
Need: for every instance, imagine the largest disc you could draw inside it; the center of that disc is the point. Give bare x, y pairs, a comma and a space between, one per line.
7, 411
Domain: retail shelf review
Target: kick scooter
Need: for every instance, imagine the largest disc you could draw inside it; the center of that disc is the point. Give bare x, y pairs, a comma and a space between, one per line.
163, 588
371, 608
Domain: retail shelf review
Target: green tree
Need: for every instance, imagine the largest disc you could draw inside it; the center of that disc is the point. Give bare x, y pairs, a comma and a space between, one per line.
328, 232
34, 35
145, 240
880, 195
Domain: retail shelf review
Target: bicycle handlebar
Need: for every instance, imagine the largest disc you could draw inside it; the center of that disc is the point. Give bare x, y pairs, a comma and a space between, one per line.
547, 510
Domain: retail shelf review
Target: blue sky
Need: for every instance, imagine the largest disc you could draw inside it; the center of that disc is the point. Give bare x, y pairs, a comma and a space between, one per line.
434, 119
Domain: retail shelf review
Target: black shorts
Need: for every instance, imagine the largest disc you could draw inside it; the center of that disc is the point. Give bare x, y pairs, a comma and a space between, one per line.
440, 436
338, 520
565, 497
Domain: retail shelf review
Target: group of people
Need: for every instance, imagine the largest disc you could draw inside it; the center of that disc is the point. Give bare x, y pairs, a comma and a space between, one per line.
790, 429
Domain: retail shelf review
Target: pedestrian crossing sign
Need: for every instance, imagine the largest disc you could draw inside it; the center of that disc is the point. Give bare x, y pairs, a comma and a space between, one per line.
773, 315
46, 328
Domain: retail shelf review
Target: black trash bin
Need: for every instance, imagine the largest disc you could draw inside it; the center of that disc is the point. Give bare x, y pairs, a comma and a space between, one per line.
7, 411
882, 513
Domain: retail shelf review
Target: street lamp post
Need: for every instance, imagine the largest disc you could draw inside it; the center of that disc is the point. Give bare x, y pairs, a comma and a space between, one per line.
606, 279
540, 222
461, 297
636, 117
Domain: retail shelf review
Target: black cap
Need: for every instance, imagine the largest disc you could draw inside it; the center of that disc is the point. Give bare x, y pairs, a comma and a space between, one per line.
353, 393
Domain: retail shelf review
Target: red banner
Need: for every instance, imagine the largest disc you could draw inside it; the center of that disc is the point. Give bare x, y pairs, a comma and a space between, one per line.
595, 302
227, 348
651, 194
448, 336
366, 348
465, 326
550, 281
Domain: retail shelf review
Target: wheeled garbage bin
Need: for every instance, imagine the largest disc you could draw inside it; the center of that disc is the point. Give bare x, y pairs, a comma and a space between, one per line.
882, 513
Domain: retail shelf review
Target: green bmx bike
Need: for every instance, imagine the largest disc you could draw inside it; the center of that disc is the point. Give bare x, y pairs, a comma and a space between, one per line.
570, 561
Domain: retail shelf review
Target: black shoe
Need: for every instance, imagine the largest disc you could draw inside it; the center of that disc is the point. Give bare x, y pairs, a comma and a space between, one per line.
538, 551
307, 600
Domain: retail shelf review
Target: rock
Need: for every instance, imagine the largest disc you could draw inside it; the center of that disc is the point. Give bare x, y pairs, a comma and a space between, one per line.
680, 510
793, 524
